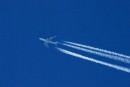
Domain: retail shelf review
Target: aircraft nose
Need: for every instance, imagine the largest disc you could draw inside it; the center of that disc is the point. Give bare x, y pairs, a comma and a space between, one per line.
40, 38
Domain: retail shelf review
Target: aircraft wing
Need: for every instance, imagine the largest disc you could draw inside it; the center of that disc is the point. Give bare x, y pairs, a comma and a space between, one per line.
51, 38
46, 44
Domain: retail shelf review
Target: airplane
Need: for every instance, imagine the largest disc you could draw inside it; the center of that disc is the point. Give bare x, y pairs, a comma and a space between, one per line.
48, 40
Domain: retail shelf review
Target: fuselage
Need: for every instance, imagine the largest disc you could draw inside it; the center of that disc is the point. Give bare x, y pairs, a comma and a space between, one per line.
47, 41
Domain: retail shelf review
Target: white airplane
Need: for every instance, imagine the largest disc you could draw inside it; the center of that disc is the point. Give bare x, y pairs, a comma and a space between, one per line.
48, 40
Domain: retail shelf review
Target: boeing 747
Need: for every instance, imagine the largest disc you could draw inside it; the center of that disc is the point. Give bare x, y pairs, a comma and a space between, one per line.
48, 41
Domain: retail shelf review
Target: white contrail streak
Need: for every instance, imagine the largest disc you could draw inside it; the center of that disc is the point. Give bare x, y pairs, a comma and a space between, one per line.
98, 53
94, 60
98, 49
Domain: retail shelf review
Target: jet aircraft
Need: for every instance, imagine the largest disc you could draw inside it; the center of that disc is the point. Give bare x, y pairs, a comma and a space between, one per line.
49, 41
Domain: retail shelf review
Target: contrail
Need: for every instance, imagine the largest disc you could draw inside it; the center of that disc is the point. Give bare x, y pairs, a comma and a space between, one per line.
98, 49
98, 53
94, 60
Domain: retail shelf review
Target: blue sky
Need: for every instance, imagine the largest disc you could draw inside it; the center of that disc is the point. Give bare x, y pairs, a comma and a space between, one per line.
25, 62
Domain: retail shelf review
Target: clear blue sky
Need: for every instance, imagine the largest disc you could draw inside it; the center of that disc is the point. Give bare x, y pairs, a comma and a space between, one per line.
25, 62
